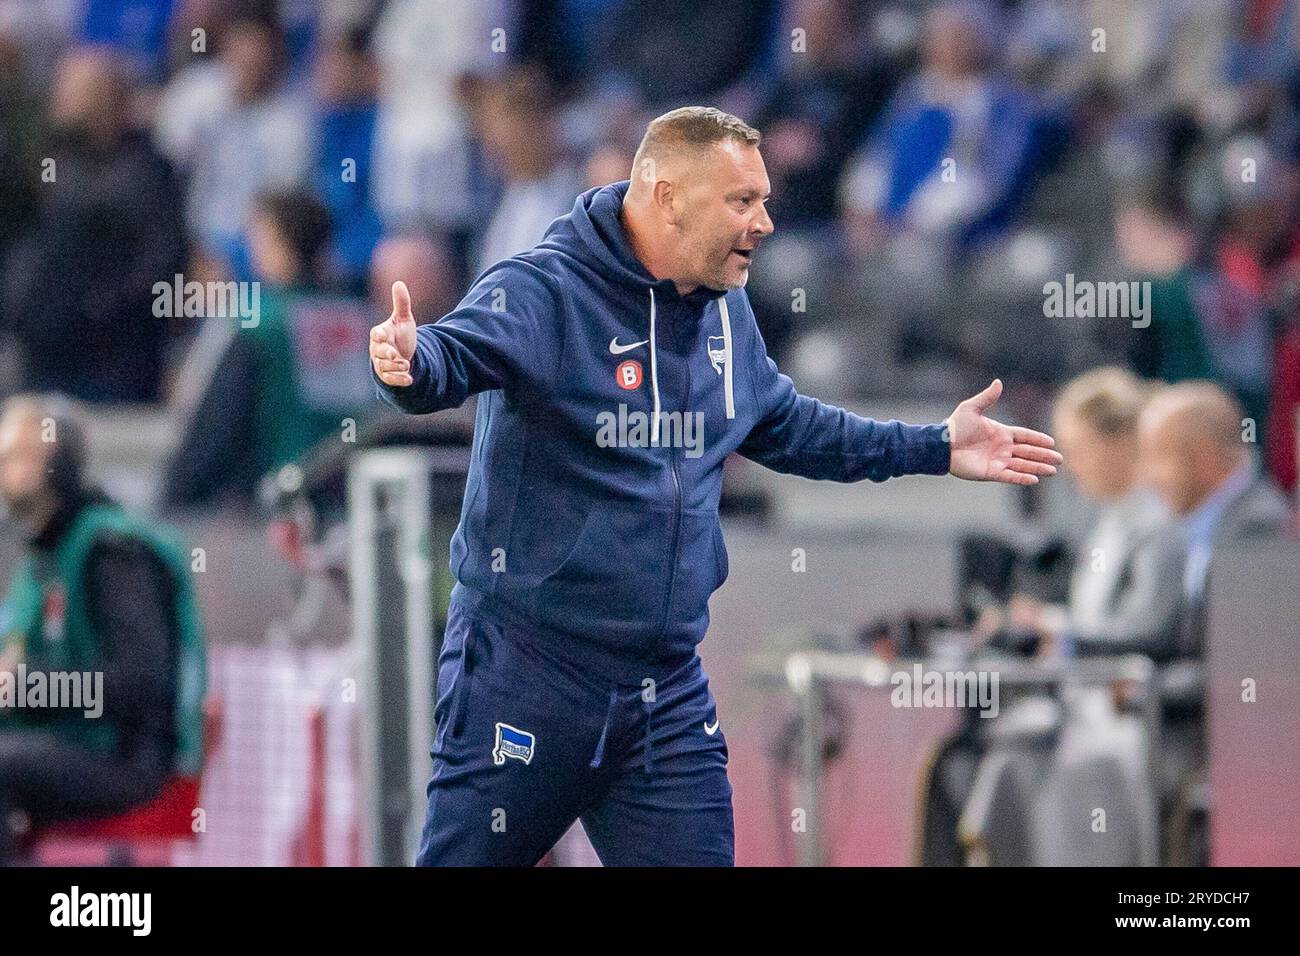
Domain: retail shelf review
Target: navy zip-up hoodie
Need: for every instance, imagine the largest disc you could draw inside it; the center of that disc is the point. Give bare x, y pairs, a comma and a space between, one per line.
583, 522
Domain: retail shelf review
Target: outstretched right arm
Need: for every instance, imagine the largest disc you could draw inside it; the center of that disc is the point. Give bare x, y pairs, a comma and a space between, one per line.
506, 331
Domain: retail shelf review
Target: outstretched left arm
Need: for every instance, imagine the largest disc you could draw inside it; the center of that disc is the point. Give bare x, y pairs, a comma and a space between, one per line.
800, 435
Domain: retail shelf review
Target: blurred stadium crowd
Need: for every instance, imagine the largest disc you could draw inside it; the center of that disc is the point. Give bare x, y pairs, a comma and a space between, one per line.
332, 147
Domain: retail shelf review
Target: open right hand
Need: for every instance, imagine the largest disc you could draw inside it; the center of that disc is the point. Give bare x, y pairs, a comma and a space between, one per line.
392, 342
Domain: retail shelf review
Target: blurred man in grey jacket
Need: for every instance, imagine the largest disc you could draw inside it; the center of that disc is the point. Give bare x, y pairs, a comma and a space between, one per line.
1195, 454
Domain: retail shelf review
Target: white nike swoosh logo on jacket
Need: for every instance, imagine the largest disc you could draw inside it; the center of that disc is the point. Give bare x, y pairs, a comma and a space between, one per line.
616, 349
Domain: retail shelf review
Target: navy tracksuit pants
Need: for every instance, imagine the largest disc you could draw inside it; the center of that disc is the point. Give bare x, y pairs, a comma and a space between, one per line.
528, 741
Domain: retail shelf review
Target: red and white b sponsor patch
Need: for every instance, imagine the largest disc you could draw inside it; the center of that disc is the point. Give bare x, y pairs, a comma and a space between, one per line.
628, 374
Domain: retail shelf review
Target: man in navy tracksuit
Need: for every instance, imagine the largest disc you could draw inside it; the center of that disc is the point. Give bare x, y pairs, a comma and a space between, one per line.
619, 364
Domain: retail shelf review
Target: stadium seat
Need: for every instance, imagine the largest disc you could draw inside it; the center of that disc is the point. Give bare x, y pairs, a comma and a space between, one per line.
143, 835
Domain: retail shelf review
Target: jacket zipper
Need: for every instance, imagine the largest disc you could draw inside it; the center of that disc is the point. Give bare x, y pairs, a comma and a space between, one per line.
677, 518
672, 549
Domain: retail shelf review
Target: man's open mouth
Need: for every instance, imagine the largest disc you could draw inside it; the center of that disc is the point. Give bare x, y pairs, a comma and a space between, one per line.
746, 254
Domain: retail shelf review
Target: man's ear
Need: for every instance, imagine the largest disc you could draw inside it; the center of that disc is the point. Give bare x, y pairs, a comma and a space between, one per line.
665, 195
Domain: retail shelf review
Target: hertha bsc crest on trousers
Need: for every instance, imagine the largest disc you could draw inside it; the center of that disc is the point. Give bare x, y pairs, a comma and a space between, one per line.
513, 742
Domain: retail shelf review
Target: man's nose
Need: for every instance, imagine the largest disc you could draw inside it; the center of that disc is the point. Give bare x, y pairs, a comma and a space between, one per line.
762, 225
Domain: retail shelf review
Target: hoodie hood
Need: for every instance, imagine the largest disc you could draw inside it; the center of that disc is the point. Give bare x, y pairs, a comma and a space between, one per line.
593, 233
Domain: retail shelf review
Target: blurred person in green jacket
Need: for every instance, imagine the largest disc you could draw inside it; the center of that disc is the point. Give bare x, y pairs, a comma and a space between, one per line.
291, 375
102, 669
311, 380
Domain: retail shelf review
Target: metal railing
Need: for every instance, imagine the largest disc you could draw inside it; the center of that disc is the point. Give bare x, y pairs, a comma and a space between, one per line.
808, 673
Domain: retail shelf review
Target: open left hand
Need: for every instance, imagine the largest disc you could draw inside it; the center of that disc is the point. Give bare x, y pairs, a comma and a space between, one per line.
985, 450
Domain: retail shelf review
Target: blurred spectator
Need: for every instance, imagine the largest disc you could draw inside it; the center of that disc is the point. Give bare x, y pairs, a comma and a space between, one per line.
346, 82
197, 94
290, 379
1283, 440
670, 52
1263, 46
1194, 456
427, 269
1163, 52
1231, 297
301, 344
1157, 247
608, 163
1043, 48
42, 29
1213, 318
99, 592
554, 37
825, 96
108, 228
951, 157
136, 29
516, 119
20, 129
1126, 590
253, 136
424, 160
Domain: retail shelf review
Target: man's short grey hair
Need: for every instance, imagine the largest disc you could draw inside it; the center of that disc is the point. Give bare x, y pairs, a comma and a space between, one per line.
692, 127
1203, 409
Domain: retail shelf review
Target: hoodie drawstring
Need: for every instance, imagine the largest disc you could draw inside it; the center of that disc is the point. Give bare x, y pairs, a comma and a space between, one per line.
654, 372
729, 393
599, 755
649, 754
726, 349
